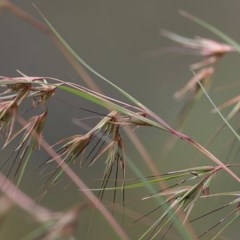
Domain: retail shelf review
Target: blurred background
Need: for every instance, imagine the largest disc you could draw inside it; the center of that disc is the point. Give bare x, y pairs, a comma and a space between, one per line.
121, 40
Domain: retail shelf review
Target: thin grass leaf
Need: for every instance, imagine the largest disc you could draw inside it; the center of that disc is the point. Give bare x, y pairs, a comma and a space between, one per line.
184, 197
109, 105
218, 112
194, 172
82, 62
161, 123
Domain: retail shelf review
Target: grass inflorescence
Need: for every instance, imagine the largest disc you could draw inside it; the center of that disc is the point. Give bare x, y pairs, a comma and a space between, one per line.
178, 193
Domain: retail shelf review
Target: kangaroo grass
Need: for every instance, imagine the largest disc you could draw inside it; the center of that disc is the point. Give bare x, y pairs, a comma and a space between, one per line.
106, 138
146, 117
30, 88
183, 198
186, 205
81, 185
161, 123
